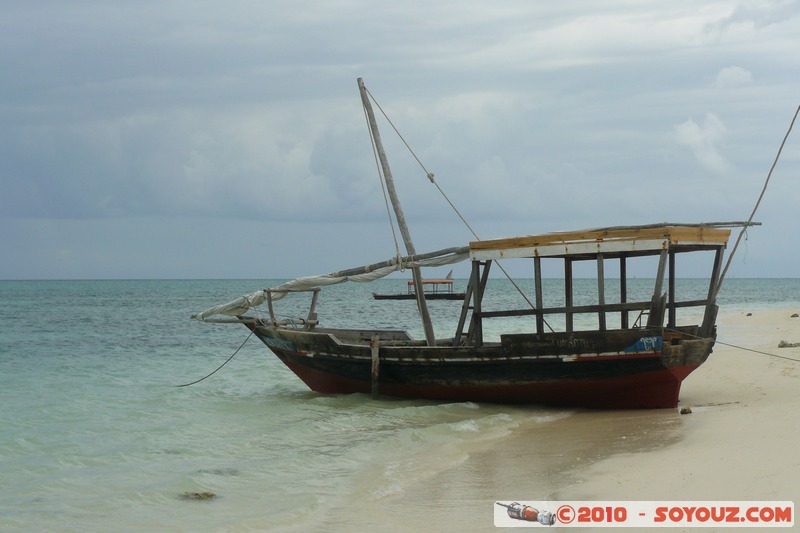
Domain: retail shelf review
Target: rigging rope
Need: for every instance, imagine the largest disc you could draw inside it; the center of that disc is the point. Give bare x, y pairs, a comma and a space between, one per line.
428, 173
383, 186
430, 177
219, 367
758, 203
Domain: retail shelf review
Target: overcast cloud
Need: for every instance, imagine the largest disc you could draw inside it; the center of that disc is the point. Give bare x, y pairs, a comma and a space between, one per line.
221, 140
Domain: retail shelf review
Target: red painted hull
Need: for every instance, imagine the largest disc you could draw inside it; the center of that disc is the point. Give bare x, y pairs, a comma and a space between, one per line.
637, 375
645, 390
650, 390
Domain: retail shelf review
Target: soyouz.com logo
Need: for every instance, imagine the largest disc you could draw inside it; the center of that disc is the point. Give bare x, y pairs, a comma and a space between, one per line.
644, 514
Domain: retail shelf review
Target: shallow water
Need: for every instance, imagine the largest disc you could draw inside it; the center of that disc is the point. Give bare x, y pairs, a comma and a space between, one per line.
96, 437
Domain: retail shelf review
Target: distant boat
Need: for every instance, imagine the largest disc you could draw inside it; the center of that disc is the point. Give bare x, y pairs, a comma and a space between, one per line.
435, 289
633, 354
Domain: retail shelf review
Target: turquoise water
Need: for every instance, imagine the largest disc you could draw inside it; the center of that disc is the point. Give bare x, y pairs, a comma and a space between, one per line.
96, 437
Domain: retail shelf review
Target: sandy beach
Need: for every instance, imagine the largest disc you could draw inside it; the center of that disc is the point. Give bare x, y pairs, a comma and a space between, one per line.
738, 443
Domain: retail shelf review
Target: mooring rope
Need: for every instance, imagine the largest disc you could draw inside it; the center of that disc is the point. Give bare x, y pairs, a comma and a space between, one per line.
758, 351
735, 346
220, 366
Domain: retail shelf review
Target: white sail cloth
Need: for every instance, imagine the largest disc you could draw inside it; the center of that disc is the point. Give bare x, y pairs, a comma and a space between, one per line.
362, 275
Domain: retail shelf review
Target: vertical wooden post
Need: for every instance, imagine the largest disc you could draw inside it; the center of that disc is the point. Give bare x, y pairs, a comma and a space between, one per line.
269, 306
475, 333
662, 266
472, 285
427, 325
656, 318
537, 274
601, 293
672, 318
710, 315
568, 298
623, 290
312, 311
374, 346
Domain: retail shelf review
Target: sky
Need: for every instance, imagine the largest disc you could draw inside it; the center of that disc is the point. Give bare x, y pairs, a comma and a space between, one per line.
177, 139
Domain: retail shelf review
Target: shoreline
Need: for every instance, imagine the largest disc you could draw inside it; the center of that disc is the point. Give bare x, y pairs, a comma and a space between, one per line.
738, 443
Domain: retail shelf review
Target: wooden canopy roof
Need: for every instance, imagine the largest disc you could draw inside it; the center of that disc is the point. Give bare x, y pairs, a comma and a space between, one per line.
611, 242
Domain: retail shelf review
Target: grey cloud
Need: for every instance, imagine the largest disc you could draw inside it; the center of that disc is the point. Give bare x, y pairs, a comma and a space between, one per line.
532, 116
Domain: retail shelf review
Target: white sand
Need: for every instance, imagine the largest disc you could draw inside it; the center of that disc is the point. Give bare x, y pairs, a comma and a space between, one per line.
741, 442
742, 439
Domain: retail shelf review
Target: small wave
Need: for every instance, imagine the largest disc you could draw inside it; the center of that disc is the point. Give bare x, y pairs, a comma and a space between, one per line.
467, 425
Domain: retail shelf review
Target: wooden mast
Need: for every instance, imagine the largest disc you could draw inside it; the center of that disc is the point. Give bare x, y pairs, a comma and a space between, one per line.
398, 212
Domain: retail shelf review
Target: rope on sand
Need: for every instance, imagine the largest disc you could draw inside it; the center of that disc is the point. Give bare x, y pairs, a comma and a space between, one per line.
758, 351
736, 346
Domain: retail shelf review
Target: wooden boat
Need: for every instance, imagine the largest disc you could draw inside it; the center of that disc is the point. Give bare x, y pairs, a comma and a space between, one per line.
632, 354
435, 289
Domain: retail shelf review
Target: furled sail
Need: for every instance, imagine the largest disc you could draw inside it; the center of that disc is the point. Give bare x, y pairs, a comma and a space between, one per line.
361, 274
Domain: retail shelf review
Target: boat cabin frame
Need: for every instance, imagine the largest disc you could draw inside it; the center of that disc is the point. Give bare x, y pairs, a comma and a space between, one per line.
600, 246
664, 241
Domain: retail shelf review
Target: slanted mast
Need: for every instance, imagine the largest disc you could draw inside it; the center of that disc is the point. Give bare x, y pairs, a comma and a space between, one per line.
430, 337
593, 363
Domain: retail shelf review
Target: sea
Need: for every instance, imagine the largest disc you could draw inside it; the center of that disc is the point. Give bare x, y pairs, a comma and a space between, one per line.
97, 433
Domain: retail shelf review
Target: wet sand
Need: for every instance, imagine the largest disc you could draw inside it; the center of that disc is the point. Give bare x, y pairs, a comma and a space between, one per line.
740, 442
